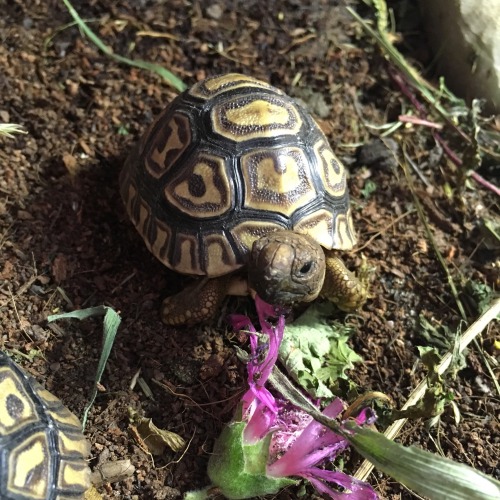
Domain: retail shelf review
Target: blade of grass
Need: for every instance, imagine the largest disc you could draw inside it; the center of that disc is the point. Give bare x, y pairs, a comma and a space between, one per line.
399, 61
9, 129
423, 472
430, 237
56, 32
167, 75
110, 328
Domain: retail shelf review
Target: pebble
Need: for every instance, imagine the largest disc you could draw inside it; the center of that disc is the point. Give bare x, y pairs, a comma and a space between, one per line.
215, 11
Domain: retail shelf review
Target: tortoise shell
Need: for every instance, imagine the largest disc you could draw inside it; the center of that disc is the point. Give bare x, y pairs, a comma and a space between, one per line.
229, 161
42, 448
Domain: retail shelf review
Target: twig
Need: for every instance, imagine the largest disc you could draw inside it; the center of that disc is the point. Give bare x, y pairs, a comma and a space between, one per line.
481, 180
419, 121
417, 170
382, 231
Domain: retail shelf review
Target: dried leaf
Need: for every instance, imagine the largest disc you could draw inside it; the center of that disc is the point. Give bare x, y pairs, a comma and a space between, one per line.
70, 163
112, 472
60, 268
153, 437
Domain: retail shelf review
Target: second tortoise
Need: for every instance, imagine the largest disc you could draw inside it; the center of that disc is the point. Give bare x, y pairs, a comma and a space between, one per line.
235, 174
42, 448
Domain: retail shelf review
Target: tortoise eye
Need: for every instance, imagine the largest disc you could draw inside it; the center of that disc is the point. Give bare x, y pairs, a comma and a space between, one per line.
306, 267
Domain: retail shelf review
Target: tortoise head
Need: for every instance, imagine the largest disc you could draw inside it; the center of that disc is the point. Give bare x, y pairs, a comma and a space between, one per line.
286, 268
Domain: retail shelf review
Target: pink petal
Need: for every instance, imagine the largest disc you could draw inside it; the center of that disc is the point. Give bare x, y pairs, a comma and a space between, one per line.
262, 395
316, 435
240, 322
358, 490
295, 460
259, 425
334, 408
264, 311
366, 416
312, 446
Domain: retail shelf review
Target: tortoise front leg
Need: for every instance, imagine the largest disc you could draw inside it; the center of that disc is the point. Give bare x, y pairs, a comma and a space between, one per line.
343, 287
200, 302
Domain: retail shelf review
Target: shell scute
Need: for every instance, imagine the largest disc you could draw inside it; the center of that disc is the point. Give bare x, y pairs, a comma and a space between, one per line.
38, 437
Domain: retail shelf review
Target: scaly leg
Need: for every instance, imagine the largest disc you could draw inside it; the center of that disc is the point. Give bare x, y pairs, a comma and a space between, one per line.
201, 301
342, 287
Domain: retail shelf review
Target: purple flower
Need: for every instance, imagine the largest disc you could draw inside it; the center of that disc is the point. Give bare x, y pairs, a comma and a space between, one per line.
313, 444
272, 442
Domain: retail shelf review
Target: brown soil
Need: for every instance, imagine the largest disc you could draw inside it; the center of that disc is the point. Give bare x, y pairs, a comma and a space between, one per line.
66, 242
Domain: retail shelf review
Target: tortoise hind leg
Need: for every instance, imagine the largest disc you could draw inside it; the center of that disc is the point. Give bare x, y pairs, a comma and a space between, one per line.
343, 287
200, 302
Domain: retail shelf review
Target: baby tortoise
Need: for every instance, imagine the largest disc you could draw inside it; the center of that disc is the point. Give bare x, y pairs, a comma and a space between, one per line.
235, 173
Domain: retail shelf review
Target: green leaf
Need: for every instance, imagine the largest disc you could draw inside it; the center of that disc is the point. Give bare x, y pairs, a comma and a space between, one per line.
368, 189
423, 472
315, 350
479, 295
110, 327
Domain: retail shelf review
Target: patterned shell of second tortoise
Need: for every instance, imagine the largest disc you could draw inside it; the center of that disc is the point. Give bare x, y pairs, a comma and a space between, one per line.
42, 448
227, 162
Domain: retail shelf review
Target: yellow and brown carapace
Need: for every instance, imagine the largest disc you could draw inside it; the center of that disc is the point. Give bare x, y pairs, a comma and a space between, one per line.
42, 448
224, 164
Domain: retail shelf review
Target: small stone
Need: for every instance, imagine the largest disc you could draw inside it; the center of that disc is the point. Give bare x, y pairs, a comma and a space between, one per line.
215, 11
27, 23
24, 215
380, 153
